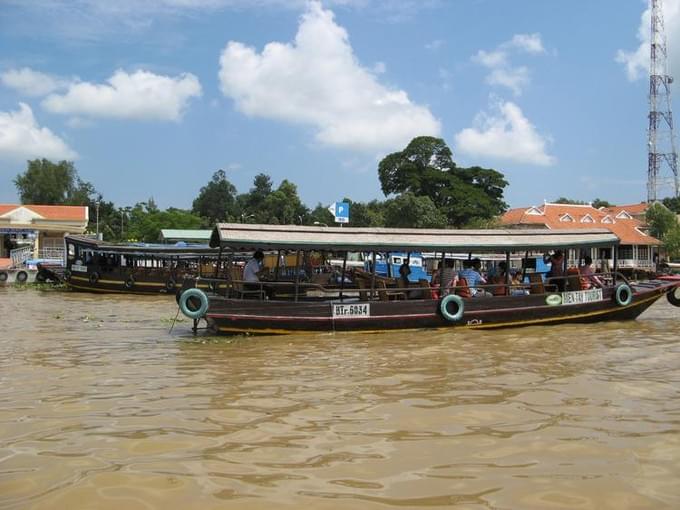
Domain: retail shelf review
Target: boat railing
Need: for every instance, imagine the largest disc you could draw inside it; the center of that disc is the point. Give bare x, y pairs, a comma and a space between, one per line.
20, 255
51, 253
389, 289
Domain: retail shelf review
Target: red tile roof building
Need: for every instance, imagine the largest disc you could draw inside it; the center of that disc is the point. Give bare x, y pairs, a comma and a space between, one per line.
40, 226
637, 250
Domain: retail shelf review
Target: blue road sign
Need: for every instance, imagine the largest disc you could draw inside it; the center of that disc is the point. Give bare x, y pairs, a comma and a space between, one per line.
341, 212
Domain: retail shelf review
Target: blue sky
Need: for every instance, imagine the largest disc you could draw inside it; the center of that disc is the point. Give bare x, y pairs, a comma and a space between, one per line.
151, 98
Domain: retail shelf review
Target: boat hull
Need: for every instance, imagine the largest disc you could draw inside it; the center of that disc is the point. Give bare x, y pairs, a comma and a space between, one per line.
123, 284
280, 317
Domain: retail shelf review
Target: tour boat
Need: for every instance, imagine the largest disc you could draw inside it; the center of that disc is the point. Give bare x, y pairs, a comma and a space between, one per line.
133, 268
364, 301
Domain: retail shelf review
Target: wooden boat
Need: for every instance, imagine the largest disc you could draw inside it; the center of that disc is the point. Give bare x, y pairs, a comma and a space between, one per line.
135, 268
371, 304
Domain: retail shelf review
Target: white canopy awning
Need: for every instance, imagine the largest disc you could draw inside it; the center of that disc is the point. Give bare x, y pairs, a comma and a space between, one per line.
239, 237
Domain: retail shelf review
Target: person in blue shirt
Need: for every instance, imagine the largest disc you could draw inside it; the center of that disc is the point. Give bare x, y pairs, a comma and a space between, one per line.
471, 273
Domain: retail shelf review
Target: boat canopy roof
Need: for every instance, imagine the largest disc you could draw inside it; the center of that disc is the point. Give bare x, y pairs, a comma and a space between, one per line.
239, 237
143, 249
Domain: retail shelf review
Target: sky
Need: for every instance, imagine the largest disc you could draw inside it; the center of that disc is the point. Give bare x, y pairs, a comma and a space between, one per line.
150, 98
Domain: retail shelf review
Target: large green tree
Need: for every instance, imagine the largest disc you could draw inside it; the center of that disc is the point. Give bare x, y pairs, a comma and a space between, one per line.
48, 183
660, 220
663, 224
366, 214
426, 168
284, 207
216, 201
411, 211
251, 204
673, 203
146, 220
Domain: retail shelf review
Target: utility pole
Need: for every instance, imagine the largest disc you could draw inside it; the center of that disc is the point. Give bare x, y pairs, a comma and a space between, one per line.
661, 140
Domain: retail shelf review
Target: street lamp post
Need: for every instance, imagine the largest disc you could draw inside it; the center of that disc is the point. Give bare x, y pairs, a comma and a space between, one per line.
97, 220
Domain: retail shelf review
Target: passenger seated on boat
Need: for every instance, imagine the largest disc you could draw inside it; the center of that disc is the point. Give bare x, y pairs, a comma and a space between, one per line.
473, 277
556, 273
573, 279
447, 278
404, 283
462, 288
588, 278
498, 280
253, 271
516, 286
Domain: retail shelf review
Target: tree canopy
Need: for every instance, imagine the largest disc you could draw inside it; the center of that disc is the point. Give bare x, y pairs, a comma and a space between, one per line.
660, 220
146, 221
673, 203
426, 168
424, 186
596, 203
216, 201
48, 183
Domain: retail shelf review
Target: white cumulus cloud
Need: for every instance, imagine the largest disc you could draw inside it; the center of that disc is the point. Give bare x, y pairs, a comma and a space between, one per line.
22, 138
507, 135
501, 70
317, 80
636, 62
31, 83
139, 95
531, 43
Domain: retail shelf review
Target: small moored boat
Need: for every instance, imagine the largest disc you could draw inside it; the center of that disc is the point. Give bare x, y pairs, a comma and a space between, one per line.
135, 268
364, 301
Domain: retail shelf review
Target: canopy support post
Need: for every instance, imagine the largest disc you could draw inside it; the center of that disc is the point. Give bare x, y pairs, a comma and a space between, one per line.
615, 254
507, 273
373, 277
297, 274
342, 276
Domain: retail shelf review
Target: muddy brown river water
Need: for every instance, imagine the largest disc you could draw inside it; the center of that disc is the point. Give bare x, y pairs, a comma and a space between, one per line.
102, 408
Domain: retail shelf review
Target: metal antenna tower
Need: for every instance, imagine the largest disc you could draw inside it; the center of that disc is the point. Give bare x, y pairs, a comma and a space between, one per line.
661, 142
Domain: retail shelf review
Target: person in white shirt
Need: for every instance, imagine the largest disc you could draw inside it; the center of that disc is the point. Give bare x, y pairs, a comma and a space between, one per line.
253, 269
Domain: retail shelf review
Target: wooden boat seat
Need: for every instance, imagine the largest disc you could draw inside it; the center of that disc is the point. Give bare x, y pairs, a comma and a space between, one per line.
388, 294
428, 292
362, 284
536, 285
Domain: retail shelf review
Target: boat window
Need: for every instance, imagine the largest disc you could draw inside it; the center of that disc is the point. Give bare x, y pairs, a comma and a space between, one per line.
71, 251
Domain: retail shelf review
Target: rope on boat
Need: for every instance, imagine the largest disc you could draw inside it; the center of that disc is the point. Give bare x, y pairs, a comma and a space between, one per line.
173, 321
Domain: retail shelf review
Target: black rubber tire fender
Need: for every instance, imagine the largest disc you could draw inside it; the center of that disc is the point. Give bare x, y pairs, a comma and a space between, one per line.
673, 296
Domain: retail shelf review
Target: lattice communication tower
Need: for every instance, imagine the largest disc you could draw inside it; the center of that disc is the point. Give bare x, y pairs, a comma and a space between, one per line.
661, 142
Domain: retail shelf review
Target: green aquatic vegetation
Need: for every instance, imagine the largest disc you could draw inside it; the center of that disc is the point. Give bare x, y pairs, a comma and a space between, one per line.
170, 320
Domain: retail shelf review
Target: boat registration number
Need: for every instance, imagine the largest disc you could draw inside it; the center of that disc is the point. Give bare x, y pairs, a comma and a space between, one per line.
353, 310
581, 296
78, 268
